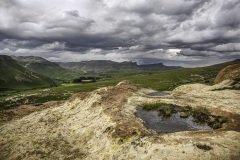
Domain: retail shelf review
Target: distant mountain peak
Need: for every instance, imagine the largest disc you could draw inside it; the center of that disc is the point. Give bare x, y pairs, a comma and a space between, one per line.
109, 66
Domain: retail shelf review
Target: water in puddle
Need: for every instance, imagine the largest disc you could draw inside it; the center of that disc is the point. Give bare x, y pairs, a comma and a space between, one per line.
157, 94
167, 125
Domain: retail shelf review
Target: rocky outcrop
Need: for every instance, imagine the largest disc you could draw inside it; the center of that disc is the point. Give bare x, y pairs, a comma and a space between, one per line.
231, 72
102, 125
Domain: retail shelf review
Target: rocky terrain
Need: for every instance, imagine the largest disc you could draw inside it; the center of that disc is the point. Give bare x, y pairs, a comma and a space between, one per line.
102, 125
231, 72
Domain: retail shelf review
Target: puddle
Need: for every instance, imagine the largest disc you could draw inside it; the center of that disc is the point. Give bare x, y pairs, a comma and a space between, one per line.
157, 93
174, 123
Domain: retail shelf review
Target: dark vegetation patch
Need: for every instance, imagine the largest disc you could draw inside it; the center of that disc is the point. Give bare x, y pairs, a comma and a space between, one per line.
85, 79
204, 147
200, 115
31, 99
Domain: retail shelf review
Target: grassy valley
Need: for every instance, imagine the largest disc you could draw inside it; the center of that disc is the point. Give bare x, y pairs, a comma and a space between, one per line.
157, 80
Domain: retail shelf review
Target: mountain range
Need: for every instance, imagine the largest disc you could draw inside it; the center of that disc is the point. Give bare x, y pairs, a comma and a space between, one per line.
99, 66
34, 72
41, 66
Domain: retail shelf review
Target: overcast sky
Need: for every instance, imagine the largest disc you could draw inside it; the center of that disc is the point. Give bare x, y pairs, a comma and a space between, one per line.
176, 32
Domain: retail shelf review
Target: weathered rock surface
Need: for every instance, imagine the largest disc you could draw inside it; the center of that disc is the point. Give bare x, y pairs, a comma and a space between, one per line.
102, 125
231, 72
183, 115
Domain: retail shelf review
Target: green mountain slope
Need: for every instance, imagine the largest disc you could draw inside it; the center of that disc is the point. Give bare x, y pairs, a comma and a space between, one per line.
15, 76
41, 66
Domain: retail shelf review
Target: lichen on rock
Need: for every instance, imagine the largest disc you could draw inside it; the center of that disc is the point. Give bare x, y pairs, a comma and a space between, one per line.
102, 125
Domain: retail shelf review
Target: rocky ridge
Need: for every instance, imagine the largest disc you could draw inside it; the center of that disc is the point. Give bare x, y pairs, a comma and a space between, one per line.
231, 72
102, 125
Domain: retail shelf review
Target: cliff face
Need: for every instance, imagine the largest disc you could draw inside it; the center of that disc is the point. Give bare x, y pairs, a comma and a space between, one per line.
102, 125
231, 72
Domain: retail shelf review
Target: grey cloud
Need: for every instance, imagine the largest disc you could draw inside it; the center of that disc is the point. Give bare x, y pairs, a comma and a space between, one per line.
229, 47
198, 53
73, 13
227, 17
169, 7
121, 30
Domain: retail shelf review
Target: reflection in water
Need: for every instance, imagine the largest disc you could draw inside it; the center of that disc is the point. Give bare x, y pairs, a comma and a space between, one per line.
157, 94
167, 125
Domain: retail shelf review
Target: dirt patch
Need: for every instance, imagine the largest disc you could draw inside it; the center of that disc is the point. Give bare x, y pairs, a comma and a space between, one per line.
81, 96
21, 111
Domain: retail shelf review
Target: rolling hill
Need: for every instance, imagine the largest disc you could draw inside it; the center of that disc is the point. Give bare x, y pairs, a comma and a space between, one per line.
41, 66
15, 76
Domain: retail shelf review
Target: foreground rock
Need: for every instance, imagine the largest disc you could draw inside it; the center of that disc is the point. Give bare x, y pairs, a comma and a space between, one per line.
102, 125
231, 72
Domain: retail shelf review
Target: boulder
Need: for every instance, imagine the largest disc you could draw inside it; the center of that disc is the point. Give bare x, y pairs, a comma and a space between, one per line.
183, 115
231, 72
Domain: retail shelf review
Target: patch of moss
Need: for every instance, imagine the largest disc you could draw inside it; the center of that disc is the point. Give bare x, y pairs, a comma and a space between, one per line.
216, 122
165, 110
151, 106
217, 125
200, 115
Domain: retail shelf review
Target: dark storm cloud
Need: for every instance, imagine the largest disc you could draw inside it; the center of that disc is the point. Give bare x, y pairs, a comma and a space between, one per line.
183, 31
73, 13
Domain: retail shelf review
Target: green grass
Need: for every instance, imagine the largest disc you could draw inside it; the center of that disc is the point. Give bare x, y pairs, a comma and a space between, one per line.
15, 77
162, 81
165, 110
38, 96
